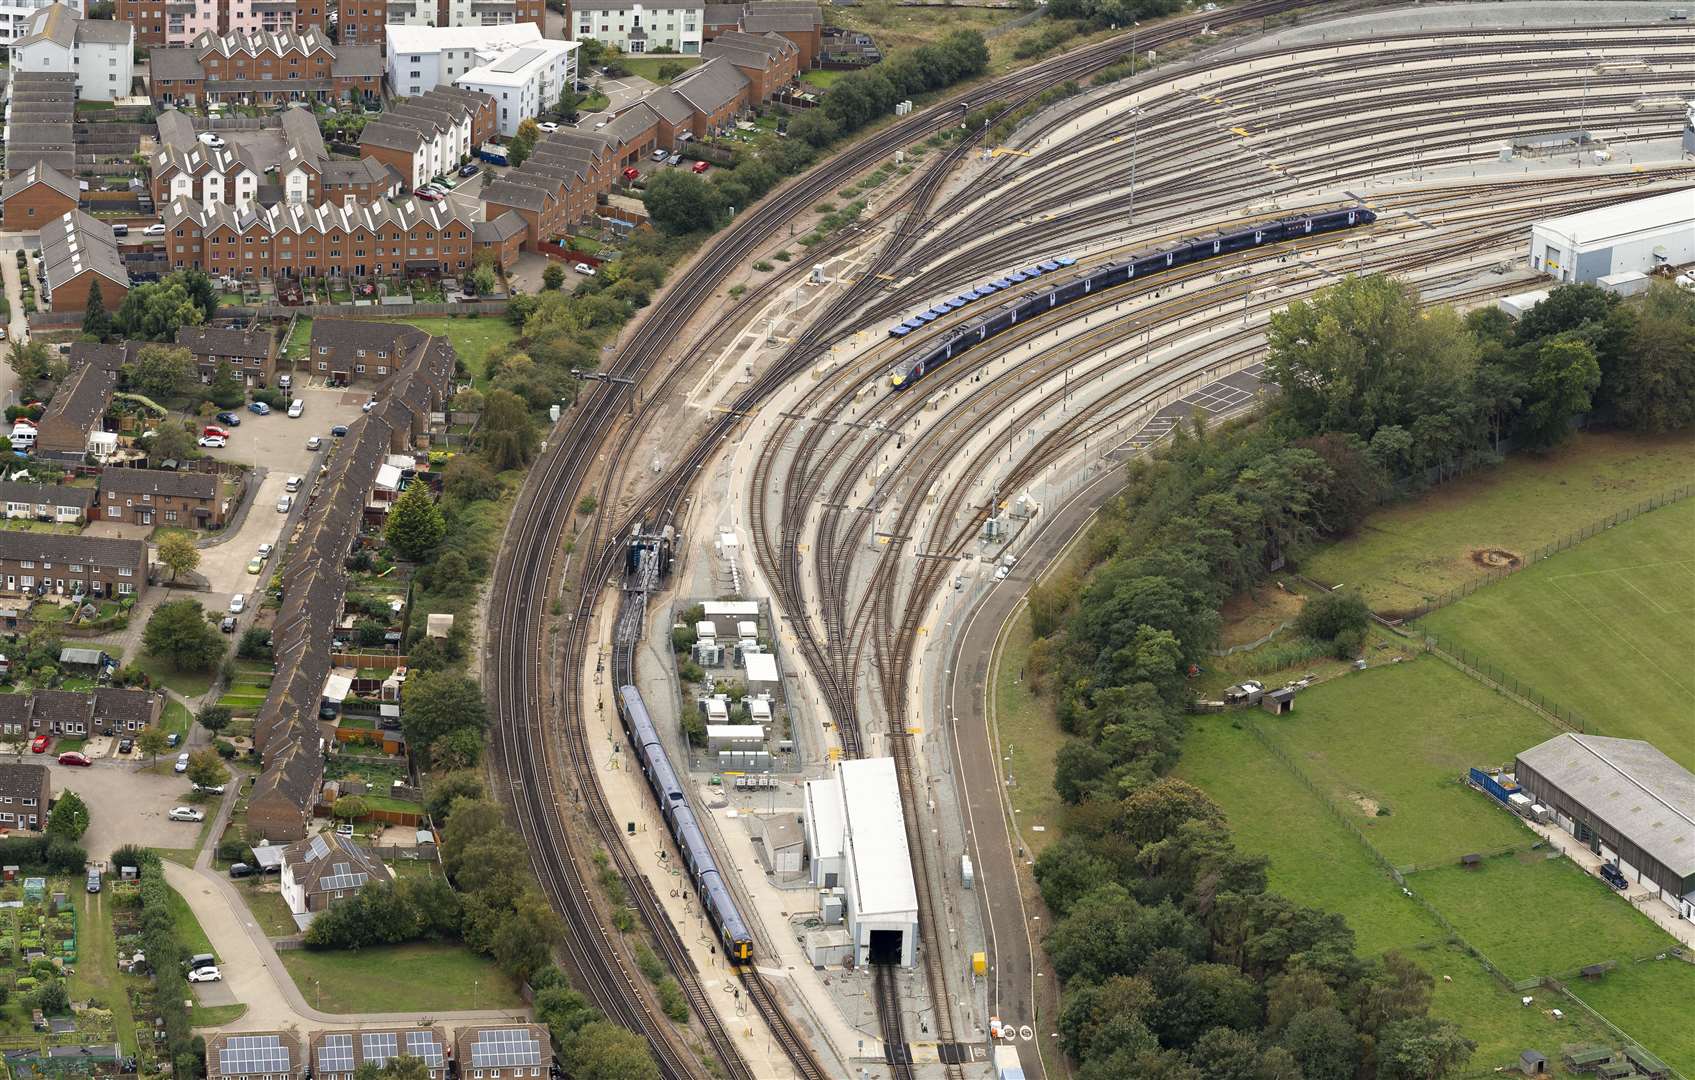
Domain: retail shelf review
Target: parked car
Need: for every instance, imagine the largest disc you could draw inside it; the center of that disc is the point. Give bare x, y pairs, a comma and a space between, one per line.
659, 154
212, 139
344, 828
259, 407
444, 183
370, 404
285, 503
238, 603
468, 170
214, 430
585, 269
632, 174
285, 381
205, 974
157, 229
294, 483
172, 738
93, 881
427, 195
120, 229
339, 431
314, 443
39, 744
72, 757
266, 549
215, 442
187, 813
230, 418
1612, 875
240, 870
227, 624
255, 564
182, 766
548, 126
296, 408
125, 745
700, 166
212, 789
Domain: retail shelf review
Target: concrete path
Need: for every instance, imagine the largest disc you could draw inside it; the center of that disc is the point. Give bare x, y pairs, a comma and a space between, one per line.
17, 329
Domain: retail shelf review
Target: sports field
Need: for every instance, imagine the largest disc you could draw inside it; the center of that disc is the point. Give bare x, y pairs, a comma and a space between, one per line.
1606, 628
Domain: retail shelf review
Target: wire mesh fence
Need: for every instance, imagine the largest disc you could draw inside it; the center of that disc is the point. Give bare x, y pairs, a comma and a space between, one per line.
1563, 716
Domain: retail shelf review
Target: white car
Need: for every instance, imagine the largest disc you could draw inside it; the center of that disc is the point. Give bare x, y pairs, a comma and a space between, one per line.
285, 503
212, 139
296, 407
238, 603
154, 230
294, 484
206, 974
266, 549
182, 766
314, 442
215, 789
215, 442
585, 269
548, 126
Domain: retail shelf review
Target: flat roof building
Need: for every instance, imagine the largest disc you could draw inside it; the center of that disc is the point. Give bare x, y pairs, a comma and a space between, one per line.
861, 826
525, 81
1631, 804
1641, 235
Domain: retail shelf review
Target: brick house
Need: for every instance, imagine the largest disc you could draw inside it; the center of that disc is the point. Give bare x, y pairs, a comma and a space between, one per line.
78, 252
335, 1055
363, 181
268, 165
359, 351
26, 790
161, 497
106, 711
260, 68
46, 502
318, 871
802, 24
37, 195
251, 354
538, 201
504, 236
254, 1055
61, 712
431, 134
767, 61
503, 1052
75, 412
126, 709
66, 565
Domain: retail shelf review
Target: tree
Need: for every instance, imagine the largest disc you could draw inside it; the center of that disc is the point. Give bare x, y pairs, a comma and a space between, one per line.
523, 142
226, 390
152, 742
172, 440
438, 702
350, 808
95, 322
680, 202
1339, 618
1323, 1044
1421, 1048
156, 310
161, 371
553, 277
32, 362
1562, 383
52, 998
179, 633
214, 717
178, 553
415, 524
442, 792
1652, 387
603, 1051
69, 818
814, 127
483, 280
206, 769
458, 749
508, 432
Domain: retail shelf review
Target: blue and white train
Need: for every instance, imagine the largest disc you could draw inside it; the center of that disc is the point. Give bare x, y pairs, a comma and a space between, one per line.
999, 320
685, 830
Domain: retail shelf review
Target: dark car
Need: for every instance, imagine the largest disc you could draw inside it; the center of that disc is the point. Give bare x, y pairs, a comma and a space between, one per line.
1612, 875
228, 624
240, 869
469, 170
125, 745
232, 419
338, 431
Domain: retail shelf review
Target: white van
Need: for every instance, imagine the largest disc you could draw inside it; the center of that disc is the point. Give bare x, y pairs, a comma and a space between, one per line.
23, 435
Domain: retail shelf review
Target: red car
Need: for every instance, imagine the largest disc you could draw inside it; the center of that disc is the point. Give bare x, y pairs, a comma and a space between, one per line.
213, 429
71, 757
700, 166
632, 173
39, 746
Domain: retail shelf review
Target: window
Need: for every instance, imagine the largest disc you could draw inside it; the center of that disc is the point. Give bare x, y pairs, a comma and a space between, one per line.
126, 571
28, 564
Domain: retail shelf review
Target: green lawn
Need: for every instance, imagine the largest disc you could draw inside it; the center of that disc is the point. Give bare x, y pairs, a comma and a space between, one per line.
648, 67
299, 342
1417, 550
1650, 1002
188, 927
1029, 738
97, 977
400, 978
1493, 1017
175, 718
269, 910
821, 78
472, 338
1603, 628
1356, 739
1533, 915
1314, 860
189, 684
205, 1016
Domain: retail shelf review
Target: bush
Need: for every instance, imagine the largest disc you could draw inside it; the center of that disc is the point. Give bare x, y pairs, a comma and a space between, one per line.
652, 968
1329, 616
255, 644
276, 399
671, 999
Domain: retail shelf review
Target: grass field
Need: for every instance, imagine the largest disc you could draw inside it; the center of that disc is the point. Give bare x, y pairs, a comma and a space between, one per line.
1657, 995
472, 339
188, 927
1370, 758
97, 974
400, 978
1029, 738
1415, 551
648, 67
1583, 921
1603, 628
1494, 1018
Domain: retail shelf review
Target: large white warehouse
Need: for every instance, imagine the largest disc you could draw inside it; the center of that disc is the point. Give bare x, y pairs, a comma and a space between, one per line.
1639, 235
856, 841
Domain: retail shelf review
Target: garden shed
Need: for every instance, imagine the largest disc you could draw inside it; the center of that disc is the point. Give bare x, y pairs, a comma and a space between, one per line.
1532, 1063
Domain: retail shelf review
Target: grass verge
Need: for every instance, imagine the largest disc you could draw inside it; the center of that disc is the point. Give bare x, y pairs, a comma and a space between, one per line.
1029, 739
400, 978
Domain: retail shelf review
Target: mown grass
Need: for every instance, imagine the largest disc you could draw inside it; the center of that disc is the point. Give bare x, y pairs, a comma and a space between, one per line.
473, 339
1603, 628
1412, 552
400, 978
1650, 1001
1029, 740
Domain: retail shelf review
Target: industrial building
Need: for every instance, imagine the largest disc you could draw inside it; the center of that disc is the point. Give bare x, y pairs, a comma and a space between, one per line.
859, 860
1641, 235
1631, 804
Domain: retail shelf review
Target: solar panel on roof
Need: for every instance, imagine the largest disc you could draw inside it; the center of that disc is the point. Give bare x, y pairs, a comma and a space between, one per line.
318, 848
335, 1054
243, 1054
424, 1046
378, 1046
498, 1048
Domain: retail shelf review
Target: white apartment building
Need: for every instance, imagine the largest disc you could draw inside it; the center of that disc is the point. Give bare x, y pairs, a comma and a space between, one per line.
99, 52
420, 58
525, 81
633, 27
15, 13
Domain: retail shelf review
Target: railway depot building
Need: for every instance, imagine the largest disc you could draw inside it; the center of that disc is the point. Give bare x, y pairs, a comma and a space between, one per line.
859, 860
1630, 803
1639, 236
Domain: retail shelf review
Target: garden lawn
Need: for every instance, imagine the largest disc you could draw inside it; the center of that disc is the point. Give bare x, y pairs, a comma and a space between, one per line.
472, 339
1415, 551
189, 684
400, 978
1650, 1003
821, 78
1602, 628
299, 342
175, 718
97, 976
1314, 860
269, 910
648, 68
211, 1016
1533, 915
188, 927
1029, 737
1399, 738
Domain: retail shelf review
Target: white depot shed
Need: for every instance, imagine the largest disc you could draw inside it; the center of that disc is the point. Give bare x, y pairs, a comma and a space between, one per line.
735, 737
826, 830
761, 672
1637, 235
882, 900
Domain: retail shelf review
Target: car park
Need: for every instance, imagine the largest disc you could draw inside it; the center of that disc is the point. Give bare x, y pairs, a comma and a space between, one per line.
182, 763
72, 757
205, 975
125, 745
39, 745
230, 418
259, 407
296, 408
214, 442
157, 229
285, 503
444, 183
238, 603
314, 443
585, 269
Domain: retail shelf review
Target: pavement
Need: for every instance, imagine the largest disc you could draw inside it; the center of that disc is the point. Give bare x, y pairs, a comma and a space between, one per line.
467, 197
619, 93
18, 328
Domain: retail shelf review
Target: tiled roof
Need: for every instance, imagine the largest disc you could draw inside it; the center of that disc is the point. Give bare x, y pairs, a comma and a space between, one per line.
81, 399
11, 491
710, 86
124, 704
160, 482
22, 779
101, 551
78, 242
40, 174
502, 228
226, 341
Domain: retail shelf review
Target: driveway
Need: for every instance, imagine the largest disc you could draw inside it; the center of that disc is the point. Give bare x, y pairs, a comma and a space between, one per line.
127, 803
619, 93
467, 197
18, 328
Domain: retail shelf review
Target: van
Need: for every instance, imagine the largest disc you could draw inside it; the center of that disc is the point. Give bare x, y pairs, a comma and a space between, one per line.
120, 230
202, 960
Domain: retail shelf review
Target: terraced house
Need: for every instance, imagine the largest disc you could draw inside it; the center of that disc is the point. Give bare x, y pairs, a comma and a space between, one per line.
423, 137
251, 354
264, 68
291, 241
58, 564
161, 497
59, 503
272, 165
179, 22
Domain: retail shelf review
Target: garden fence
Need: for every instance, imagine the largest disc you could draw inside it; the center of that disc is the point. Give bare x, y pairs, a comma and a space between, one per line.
1256, 643
1569, 540
1565, 992
358, 311
1563, 717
